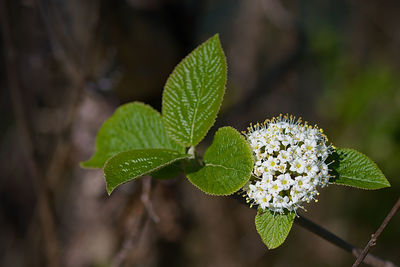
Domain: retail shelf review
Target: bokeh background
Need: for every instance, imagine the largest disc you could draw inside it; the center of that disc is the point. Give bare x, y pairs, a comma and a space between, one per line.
65, 65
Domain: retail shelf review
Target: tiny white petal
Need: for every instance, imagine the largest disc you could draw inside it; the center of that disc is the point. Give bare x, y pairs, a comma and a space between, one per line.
289, 163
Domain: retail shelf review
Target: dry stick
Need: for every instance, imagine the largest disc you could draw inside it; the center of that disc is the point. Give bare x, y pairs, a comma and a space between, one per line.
337, 241
45, 214
136, 222
145, 198
330, 237
375, 236
322, 232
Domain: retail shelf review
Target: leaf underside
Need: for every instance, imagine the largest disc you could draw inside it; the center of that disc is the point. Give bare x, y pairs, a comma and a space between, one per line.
132, 126
353, 168
273, 228
132, 164
228, 164
194, 92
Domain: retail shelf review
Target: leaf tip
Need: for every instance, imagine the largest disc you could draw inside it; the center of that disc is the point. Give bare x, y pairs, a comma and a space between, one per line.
216, 36
273, 228
83, 164
355, 169
109, 188
87, 164
387, 184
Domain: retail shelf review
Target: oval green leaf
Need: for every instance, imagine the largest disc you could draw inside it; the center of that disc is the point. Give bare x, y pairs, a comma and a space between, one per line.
193, 93
132, 164
273, 228
353, 168
132, 126
228, 163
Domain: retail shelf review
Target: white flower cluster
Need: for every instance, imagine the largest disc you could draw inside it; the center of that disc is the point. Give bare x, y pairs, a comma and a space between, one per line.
289, 163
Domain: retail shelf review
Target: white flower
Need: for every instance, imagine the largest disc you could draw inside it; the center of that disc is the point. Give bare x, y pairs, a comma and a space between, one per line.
289, 163
312, 169
281, 167
273, 145
284, 156
275, 189
285, 181
297, 165
264, 201
271, 164
267, 179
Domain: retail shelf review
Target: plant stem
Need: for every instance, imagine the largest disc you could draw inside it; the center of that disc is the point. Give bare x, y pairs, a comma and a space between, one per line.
331, 238
322, 232
192, 152
337, 241
375, 236
135, 224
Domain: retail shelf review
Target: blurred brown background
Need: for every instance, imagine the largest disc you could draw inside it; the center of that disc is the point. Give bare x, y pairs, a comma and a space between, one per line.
67, 64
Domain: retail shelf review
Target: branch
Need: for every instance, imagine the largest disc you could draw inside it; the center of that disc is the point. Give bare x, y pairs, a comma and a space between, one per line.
322, 232
134, 227
337, 241
375, 236
330, 237
145, 198
136, 222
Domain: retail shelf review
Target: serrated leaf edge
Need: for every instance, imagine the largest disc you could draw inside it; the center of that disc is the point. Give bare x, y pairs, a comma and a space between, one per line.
118, 109
260, 211
110, 190
222, 97
205, 164
353, 186
217, 194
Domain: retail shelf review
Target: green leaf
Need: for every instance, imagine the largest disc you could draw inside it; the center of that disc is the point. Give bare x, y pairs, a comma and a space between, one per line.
132, 164
228, 164
132, 126
353, 168
273, 228
193, 93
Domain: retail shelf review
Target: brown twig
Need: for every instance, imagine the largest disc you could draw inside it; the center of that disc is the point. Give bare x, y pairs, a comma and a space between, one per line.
337, 241
331, 238
136, 222
145, 198
43, 204
375, 236
322, 232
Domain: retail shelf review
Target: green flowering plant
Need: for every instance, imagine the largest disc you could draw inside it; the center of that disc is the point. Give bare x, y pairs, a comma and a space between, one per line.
277, 165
